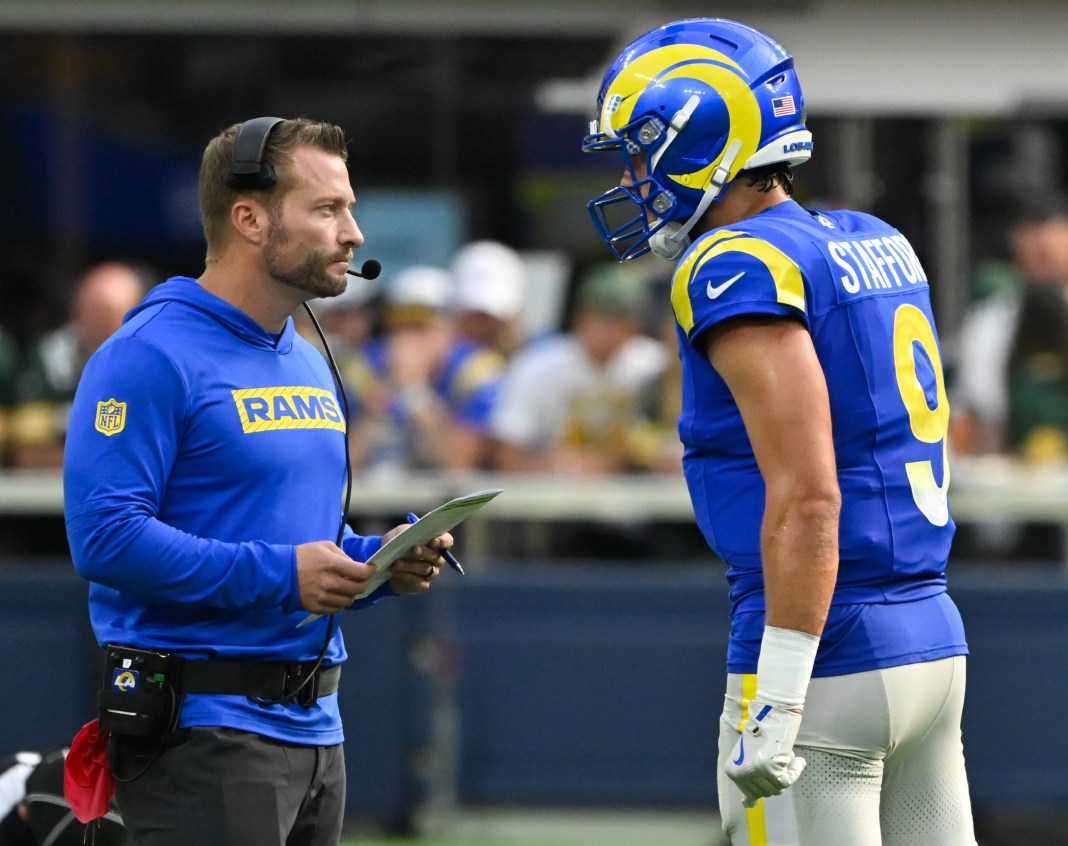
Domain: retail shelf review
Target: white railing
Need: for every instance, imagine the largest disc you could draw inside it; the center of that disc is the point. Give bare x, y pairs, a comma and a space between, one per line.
983, 490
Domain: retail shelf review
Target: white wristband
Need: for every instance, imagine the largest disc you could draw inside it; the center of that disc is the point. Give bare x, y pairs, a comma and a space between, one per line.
785, 666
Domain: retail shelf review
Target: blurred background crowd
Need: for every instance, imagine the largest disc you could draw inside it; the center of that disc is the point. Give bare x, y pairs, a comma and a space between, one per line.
497, 338
442, 374
439, 370
460, 365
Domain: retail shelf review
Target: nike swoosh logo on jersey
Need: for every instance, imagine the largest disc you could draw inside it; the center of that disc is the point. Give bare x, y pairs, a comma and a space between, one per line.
715, 290
741, 752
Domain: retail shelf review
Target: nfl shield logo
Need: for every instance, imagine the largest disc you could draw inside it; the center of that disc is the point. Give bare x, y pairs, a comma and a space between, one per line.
110, 417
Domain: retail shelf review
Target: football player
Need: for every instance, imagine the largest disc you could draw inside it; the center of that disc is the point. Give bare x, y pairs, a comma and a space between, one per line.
814, 424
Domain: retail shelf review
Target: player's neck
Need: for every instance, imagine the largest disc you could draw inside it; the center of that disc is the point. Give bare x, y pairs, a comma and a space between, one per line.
741, 201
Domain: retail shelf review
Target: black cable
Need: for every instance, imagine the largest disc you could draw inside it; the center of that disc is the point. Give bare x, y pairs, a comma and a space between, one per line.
172, 725
332, 621
336, 373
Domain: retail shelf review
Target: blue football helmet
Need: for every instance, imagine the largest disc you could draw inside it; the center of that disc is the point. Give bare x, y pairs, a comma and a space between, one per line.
697, 101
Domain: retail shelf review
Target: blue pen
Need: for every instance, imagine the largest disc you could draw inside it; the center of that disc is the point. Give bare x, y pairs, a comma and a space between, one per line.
450, 559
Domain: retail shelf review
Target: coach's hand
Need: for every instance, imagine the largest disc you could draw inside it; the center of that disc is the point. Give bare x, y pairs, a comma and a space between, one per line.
419, 566
763, 762
328, 579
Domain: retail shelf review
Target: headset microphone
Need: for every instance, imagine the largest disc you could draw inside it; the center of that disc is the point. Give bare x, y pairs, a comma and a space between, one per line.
370, 270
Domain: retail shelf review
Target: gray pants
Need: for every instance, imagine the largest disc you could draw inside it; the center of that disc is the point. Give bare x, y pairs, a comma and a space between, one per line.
223, 787
885, 763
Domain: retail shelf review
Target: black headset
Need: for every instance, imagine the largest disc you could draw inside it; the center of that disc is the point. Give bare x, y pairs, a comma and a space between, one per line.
247, 167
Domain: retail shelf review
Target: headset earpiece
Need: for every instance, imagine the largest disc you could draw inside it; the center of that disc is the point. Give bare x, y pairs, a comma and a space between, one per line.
247, 167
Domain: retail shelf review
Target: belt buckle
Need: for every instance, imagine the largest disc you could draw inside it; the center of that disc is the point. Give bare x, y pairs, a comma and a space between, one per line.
295, 677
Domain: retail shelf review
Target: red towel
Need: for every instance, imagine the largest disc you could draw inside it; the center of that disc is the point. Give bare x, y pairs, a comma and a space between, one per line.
87, 782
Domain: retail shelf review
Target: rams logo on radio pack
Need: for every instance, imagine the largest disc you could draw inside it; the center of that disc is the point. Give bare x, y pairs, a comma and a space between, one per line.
271, 409
124, 681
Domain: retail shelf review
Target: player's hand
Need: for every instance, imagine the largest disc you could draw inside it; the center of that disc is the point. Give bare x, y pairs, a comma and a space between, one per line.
763, 762
328, 579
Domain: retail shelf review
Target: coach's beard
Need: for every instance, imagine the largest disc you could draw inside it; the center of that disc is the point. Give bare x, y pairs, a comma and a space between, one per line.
310, 273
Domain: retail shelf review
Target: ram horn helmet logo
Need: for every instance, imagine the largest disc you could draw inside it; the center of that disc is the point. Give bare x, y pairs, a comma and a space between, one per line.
110, 417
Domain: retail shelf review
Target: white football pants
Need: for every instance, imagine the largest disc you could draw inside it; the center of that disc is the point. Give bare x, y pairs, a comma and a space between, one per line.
885, 763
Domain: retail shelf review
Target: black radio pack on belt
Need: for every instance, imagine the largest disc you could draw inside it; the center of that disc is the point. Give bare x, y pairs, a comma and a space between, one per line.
141, 699
142, 689
138, 697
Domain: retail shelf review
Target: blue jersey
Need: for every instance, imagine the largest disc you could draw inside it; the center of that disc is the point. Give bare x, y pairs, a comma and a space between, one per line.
470, 382
857, 286
201, 451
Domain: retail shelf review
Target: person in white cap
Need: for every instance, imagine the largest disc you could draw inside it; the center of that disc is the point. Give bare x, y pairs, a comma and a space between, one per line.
399, 422
489, 295
572, 402
490, 286
440, 362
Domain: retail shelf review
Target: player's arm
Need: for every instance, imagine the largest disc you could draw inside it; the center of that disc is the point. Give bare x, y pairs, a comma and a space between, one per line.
771, 369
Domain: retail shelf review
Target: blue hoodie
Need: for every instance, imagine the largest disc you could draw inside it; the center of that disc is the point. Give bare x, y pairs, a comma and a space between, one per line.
201, 451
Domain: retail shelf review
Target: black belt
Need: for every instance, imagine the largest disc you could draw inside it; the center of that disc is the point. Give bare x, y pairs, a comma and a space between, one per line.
266, 680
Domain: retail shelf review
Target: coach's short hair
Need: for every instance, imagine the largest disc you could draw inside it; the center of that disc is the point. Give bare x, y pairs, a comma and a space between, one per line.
217, 198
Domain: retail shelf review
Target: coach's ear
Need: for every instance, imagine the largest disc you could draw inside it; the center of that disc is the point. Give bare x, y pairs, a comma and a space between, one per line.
250, 220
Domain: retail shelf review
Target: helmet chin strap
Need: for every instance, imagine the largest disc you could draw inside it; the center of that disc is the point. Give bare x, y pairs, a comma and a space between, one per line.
672, 239
666, 243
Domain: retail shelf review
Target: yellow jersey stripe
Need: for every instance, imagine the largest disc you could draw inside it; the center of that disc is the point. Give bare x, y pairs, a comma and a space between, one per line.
789, 286
684, 273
